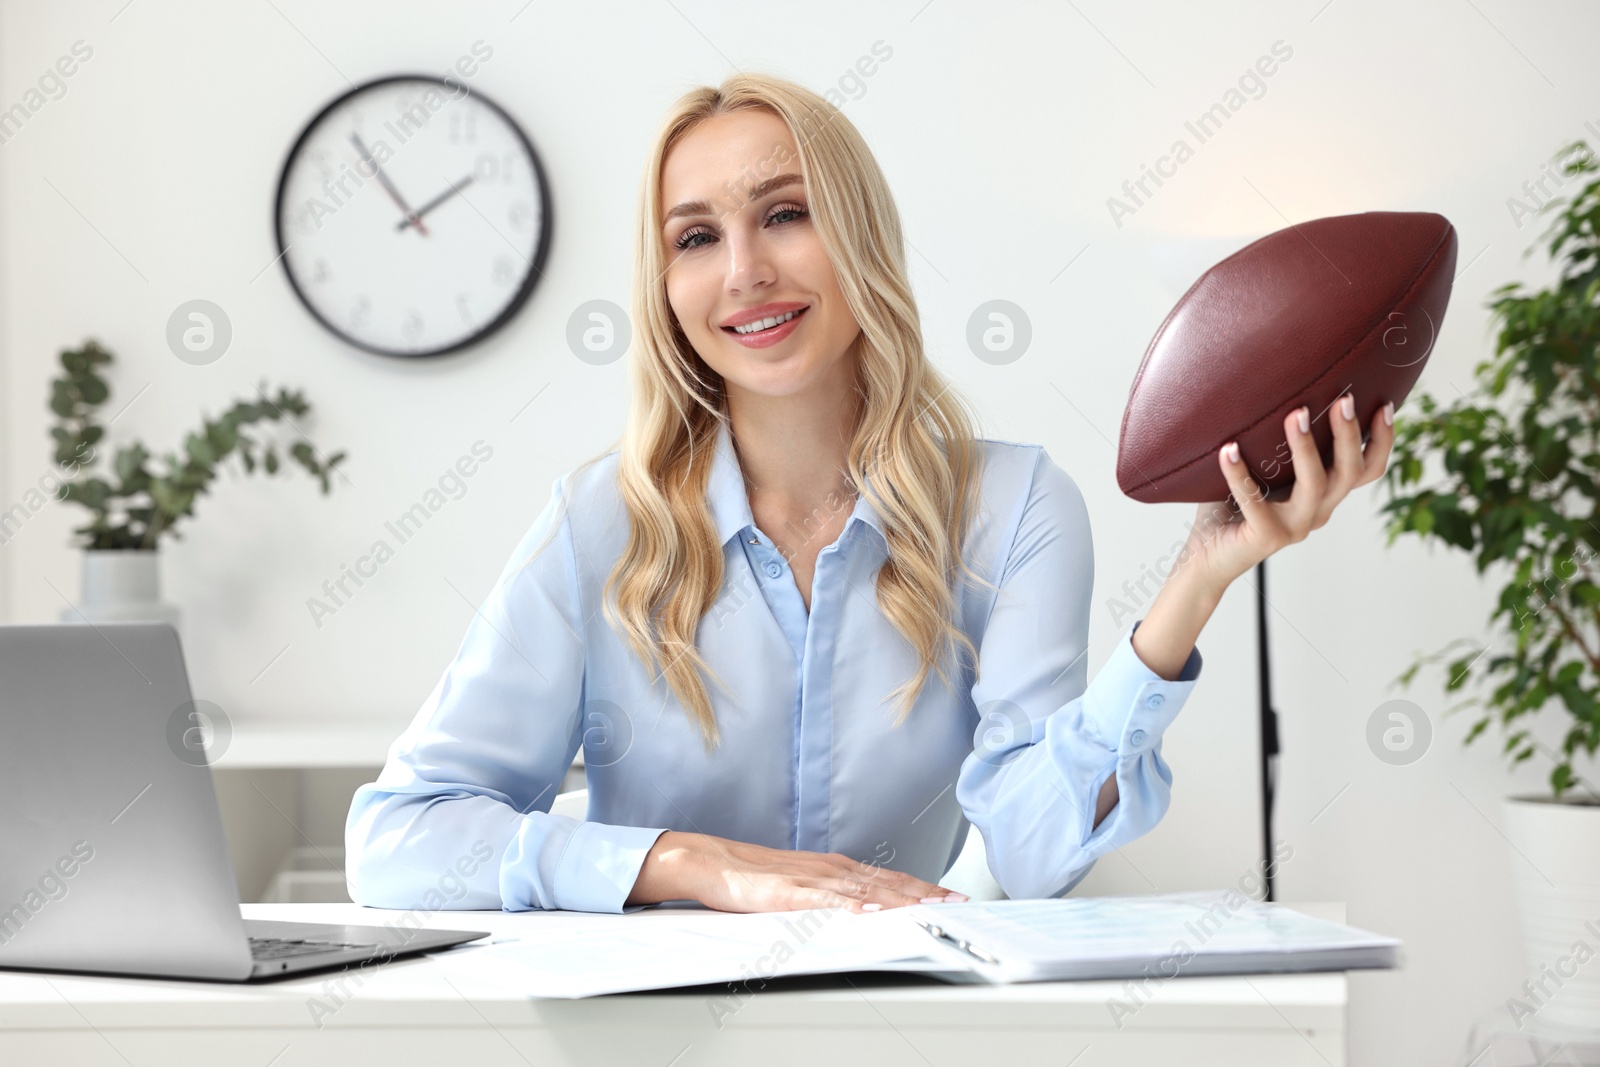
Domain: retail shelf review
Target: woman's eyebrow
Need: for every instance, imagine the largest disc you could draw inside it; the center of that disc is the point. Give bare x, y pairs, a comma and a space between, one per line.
702, 207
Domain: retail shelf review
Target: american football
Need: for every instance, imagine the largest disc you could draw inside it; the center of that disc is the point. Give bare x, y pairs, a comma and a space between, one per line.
1349, 303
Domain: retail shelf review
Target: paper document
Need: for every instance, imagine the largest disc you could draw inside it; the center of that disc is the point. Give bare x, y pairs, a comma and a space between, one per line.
979, 941
662, 949
1119, 937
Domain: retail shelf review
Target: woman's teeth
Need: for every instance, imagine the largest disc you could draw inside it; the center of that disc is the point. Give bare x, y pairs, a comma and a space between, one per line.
766, 324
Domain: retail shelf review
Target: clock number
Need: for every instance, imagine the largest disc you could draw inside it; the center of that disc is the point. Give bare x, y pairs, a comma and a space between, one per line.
358, 314
461, 304
411, 328
306, 219
488, 167
520, 215
502, 273
463, 128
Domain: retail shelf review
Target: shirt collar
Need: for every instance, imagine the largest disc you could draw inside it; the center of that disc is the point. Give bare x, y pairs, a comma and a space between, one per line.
730, 505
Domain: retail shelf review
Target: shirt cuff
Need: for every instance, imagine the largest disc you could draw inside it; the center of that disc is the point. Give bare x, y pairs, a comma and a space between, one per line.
590, 867
1128, 705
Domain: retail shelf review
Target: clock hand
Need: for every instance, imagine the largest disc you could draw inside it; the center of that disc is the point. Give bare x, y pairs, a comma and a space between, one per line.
435, 202
383, 179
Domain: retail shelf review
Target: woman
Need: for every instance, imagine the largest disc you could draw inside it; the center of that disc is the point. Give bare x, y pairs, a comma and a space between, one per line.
795, 493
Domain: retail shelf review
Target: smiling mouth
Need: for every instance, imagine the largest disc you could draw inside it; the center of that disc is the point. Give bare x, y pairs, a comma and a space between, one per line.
783, 319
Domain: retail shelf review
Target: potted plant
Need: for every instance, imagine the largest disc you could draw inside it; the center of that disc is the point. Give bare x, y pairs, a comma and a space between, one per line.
1520, 489
130, 513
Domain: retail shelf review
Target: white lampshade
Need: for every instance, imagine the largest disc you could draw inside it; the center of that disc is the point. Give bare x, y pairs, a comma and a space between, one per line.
1179, 262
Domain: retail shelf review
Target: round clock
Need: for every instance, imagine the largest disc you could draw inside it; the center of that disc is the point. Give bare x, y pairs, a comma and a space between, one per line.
412, 217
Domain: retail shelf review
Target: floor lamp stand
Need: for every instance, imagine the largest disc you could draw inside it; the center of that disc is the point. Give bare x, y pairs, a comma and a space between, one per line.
1268, 721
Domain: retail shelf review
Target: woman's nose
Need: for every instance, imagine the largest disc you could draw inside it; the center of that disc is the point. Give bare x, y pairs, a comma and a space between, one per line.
749, 261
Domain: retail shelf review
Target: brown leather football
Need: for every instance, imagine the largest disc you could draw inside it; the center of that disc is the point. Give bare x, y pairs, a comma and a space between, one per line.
1348, 303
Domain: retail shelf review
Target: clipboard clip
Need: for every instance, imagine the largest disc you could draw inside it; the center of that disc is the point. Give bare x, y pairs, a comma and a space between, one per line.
966, 946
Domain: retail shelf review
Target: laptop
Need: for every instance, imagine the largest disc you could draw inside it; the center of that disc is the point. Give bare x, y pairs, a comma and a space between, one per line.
112, 855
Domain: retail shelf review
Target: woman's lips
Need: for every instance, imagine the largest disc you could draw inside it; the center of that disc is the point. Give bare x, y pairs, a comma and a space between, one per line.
766, 338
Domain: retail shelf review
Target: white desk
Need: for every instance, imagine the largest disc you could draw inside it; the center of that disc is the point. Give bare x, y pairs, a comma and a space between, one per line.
410, 1012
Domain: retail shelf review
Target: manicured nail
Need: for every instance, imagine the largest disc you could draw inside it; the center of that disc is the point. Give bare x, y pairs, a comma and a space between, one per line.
1347, 405
1230, 451
1303, 416
934, 900
1388, 413
956, 898
871, 907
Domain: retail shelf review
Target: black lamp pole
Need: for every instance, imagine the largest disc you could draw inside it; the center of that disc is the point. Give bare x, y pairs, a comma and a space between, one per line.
1268, 716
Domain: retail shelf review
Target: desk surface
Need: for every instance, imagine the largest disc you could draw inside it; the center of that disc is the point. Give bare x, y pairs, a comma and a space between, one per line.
413, 1009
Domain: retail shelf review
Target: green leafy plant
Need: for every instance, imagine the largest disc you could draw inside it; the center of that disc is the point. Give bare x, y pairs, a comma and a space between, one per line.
1521, 458
141, 506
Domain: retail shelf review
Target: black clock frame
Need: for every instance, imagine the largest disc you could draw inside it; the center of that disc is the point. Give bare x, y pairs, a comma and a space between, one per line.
529, 282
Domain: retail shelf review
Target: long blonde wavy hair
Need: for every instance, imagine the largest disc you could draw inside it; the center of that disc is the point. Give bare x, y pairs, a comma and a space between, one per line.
914, 435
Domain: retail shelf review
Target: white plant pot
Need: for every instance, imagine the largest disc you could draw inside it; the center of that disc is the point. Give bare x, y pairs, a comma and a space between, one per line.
120, 585
1555, 870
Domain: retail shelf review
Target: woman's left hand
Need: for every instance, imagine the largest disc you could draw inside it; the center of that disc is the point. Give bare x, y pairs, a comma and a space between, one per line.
1224, 543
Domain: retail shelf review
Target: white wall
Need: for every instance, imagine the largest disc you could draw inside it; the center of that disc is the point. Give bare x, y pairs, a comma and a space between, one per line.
1003, 129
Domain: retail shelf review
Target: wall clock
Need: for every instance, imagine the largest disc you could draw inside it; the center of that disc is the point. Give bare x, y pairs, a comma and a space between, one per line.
413, 216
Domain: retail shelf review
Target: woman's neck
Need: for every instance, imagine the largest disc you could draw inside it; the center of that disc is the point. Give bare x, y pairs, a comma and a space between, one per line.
793, 450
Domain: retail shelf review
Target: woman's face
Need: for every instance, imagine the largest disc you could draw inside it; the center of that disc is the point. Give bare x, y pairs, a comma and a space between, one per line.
739, 245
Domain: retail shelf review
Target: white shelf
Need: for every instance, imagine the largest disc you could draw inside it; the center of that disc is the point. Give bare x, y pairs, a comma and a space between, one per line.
289, 742
293, 743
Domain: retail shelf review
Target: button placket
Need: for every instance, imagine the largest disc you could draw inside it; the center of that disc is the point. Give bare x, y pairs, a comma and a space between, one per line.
814, 750
770, 565
783, 599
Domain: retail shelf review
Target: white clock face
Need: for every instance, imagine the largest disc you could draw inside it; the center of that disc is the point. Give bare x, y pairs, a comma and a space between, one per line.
412, 217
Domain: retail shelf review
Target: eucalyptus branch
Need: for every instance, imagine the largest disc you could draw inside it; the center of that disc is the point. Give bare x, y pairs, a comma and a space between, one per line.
141, 506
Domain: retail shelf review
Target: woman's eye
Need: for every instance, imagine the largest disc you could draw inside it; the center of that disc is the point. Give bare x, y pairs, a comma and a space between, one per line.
686, 240
686, 237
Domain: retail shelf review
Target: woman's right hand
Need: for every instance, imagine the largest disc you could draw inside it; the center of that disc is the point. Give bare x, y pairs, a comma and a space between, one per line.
737, 876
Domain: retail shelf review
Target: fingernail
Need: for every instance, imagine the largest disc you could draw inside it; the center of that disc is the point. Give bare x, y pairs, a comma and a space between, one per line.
871, 907
1347, 405
1303, 416
1230, 451
956, 897
1388, 413
934, 900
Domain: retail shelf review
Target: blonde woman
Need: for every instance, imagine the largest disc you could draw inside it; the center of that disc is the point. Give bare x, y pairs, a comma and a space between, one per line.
804, 625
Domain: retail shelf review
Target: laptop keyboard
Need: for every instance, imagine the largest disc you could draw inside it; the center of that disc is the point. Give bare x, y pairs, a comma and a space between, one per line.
277, 948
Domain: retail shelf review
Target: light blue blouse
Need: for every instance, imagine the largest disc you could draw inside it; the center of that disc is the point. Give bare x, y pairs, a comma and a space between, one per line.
809, 758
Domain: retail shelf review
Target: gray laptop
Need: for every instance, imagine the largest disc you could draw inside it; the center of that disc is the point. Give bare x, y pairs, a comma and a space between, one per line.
112, 855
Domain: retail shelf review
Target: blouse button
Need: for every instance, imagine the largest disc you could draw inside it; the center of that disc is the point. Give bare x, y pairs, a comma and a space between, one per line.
1156, 700
1137, 737
773, 570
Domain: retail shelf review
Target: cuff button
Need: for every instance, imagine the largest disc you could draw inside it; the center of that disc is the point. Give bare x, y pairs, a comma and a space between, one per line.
1155, 701
1137, 737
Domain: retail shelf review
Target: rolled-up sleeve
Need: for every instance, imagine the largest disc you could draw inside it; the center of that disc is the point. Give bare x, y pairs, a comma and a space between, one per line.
1047, 740
460, 817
